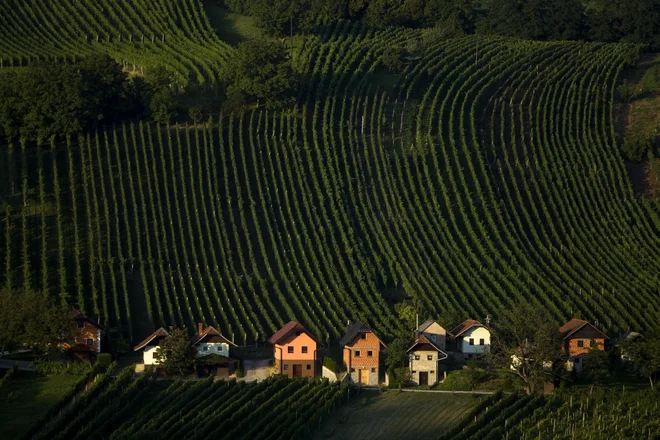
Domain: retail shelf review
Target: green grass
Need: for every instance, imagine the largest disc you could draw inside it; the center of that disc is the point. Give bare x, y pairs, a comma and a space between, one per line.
232, 28
397, 415
27, 398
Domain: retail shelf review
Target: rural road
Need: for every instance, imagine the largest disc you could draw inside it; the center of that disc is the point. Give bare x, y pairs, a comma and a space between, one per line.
22, 365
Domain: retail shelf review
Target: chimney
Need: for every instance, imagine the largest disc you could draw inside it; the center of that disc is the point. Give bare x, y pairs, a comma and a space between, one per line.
199, 328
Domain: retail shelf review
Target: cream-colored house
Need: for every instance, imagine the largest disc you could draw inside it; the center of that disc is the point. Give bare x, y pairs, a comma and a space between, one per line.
150, 345
434, 332
472, 338
424, 361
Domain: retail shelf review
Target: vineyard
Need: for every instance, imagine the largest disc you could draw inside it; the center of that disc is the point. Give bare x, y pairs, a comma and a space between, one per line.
138, 33
119, 406
619, 415
485, 173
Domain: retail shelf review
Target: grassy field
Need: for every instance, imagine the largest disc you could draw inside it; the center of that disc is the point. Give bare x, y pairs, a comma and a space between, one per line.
27, 398
397, 415
232, 28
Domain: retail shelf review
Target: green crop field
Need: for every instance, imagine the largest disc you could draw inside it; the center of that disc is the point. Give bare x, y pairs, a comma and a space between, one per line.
398, 415
486, 172
121, 407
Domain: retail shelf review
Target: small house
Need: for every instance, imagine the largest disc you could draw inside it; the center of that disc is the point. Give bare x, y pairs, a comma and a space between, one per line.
150, 345
87, 336
361, 353
424, 361
579, 337
434, 332
472, 338
294, 348
212, 350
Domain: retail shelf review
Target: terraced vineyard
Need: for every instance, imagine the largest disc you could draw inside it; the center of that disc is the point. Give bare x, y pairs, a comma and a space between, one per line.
619, 415
138, 33
485, 173
124, 407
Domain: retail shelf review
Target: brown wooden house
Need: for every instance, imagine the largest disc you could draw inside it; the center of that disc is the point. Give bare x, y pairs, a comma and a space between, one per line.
294, 348
361, 353
579, 338
87, 337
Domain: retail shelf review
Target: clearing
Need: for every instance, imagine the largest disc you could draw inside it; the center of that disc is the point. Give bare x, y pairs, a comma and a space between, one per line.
232, 28
397, 415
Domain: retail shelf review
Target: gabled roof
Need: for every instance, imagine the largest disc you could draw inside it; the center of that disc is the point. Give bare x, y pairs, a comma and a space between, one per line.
288, 328
354, 329
92, 319
574, 325
160, 333
426, 324
465, 326
209, 331
422, 343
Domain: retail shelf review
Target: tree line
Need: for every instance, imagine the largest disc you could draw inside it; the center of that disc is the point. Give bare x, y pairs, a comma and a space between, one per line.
634, 21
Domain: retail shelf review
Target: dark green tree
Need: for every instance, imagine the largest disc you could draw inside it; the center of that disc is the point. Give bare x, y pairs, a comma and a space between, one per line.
644, 354
526, 346
261, 71
176, 354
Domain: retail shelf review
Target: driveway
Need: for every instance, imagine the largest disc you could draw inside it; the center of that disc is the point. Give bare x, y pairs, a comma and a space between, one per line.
256, 370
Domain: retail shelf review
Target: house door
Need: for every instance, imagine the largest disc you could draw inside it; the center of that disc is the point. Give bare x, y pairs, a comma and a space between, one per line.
297, 370
423, 378
364, 376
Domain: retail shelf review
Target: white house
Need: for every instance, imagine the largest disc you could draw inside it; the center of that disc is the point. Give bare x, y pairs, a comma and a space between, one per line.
434, 332
210, 341
150, 345
472, 338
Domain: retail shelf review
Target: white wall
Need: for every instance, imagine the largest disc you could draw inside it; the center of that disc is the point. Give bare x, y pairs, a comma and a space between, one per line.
476, 333
148, 355
219, 348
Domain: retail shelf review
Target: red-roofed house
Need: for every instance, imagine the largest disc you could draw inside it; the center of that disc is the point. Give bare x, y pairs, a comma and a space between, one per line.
295, 350
472, 338
425, 357
361, 352
579, 337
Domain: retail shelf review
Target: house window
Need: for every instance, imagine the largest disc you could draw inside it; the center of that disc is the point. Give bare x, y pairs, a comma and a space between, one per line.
357, 353
580, 344
364, 336
205, 348
416, 357
373, 370
218, 347
352, 370
481, 341
304, 349
591, 344
81, 324
576, 361
471, 341
90, 341
309, 367
432, 371
429, 357
370, 353
286, 367
289, 349
414, 372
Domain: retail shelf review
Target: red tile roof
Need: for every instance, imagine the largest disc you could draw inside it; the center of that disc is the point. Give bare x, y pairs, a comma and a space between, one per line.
354, 329
209, 331
288, 328
464, 326
422, 343
571, 327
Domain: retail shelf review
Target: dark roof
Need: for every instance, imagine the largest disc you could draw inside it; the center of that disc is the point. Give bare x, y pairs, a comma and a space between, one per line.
210, 332
422, 343
574, 325
465, 326
81, 348
354, 329
426, 324
158, 334
92, 319
288, 328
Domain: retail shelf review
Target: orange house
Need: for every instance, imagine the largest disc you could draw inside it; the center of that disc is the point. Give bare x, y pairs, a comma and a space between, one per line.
295, 350
579, 338
361, 352
87, 336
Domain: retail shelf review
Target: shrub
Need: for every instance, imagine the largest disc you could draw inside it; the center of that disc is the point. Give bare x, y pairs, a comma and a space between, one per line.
56, 367
103, 360
330, 364
635, 146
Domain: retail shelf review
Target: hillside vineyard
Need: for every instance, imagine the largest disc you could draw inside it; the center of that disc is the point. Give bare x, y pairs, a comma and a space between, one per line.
485, 173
